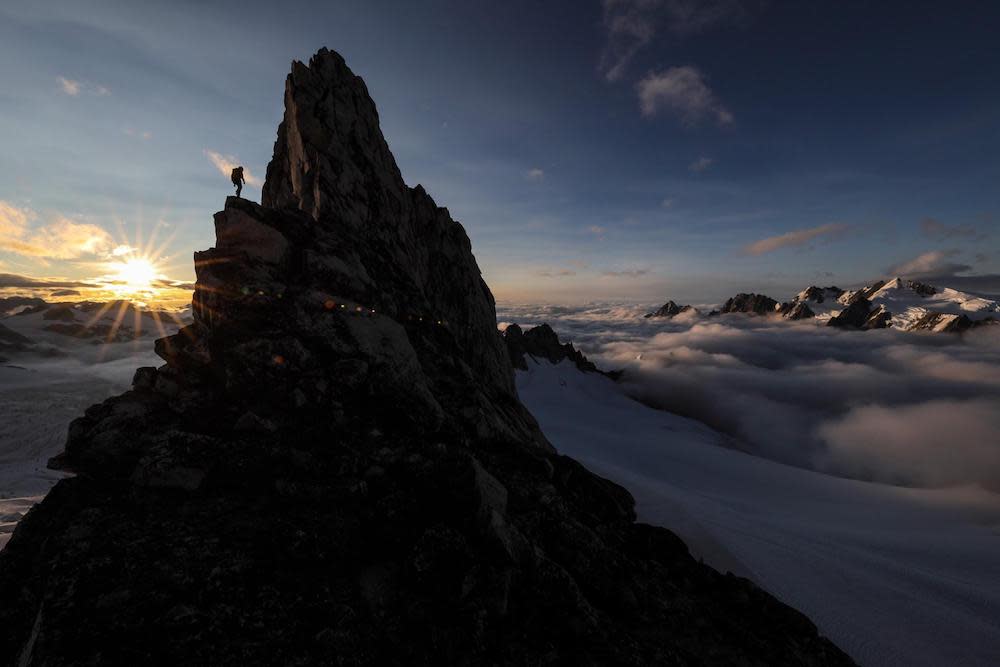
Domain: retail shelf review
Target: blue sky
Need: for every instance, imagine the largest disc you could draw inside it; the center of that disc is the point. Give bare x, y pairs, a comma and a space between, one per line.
625, 149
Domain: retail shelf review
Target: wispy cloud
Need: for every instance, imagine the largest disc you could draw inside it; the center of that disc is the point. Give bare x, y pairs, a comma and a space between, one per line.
73, 87
535, 174
701, 164
14, 280
596, 230
60, 239
933, 263
633, 24
793, 238
557, 273
226, 163
138, 134
632, 273
683, 92
936, 229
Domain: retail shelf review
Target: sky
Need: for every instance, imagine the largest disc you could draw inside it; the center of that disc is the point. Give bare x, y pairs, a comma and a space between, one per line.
638, 150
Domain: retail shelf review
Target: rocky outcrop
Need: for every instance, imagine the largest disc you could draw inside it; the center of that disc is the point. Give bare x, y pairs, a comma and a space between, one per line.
816, 294
669, 309
796, 310
860, 314
757, 304
923, 289
947, 323
333, 466
10, 305
853, 316
541, 342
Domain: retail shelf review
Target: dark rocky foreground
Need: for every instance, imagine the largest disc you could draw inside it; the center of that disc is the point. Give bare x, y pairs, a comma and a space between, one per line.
333, 466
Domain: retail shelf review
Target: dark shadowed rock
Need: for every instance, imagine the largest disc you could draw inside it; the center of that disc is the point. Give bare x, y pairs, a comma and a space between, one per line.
757, 304
816, 294
333, 466
669, 309
923, 289
20, 304
796, 310
541, 342
853, 316
946, 323
60, 312
878, 318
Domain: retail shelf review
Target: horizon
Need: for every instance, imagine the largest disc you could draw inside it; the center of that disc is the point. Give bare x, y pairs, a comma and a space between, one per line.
623, 151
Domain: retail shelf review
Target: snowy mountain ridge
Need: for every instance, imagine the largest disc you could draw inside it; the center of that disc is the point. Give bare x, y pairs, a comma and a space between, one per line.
907, 305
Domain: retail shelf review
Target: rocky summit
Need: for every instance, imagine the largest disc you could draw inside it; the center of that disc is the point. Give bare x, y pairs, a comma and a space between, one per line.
333, 466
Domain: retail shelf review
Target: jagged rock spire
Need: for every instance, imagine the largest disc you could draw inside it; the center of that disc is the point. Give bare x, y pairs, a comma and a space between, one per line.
330, 153
333, 466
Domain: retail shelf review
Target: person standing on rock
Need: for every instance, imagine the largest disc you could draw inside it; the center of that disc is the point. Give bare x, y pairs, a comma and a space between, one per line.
238, 180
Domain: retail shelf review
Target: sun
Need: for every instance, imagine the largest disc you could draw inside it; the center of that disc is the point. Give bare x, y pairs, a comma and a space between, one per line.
135, 274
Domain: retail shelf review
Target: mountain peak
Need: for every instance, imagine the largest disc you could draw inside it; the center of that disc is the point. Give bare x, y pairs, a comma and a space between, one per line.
334, 465
330, 153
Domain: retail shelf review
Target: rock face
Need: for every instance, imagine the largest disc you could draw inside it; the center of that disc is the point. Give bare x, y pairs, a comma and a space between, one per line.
333, 466
819, 294
796, 310
860, 314
750, 303
948, 323
669, 309
542, 342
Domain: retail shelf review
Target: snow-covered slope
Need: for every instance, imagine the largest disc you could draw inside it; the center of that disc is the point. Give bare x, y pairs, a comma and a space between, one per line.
894, 576
909, 301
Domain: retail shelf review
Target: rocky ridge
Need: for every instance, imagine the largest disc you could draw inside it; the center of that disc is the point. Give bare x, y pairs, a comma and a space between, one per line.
670, 309
542, 342
333, 466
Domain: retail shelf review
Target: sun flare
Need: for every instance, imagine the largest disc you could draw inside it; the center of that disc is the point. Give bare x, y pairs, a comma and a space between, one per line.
135, 274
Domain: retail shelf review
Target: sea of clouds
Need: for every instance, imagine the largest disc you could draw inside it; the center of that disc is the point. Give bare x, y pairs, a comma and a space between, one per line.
917, 409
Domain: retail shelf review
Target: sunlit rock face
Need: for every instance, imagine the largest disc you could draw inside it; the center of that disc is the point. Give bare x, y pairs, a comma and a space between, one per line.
333, 466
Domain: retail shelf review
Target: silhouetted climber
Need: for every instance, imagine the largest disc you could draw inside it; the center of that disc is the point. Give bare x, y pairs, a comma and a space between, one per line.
238, 180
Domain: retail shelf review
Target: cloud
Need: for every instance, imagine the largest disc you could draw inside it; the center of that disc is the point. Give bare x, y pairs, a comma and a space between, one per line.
559, 273
65, 292
700, 165
537, 175
633, 24
793, 238
14, 280
634, 273
935, 443
938, 230
13, 220
667, 203
144, 135
226, 163
933, 263
683, 92
73, 88
596, 230
60, 239
69, 86
884, 405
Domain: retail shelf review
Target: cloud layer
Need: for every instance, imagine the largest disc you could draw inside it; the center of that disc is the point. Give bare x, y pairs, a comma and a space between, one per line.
896, 407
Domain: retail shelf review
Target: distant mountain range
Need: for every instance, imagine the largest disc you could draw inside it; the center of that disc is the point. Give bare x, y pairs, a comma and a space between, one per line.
896, 303
29, 325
